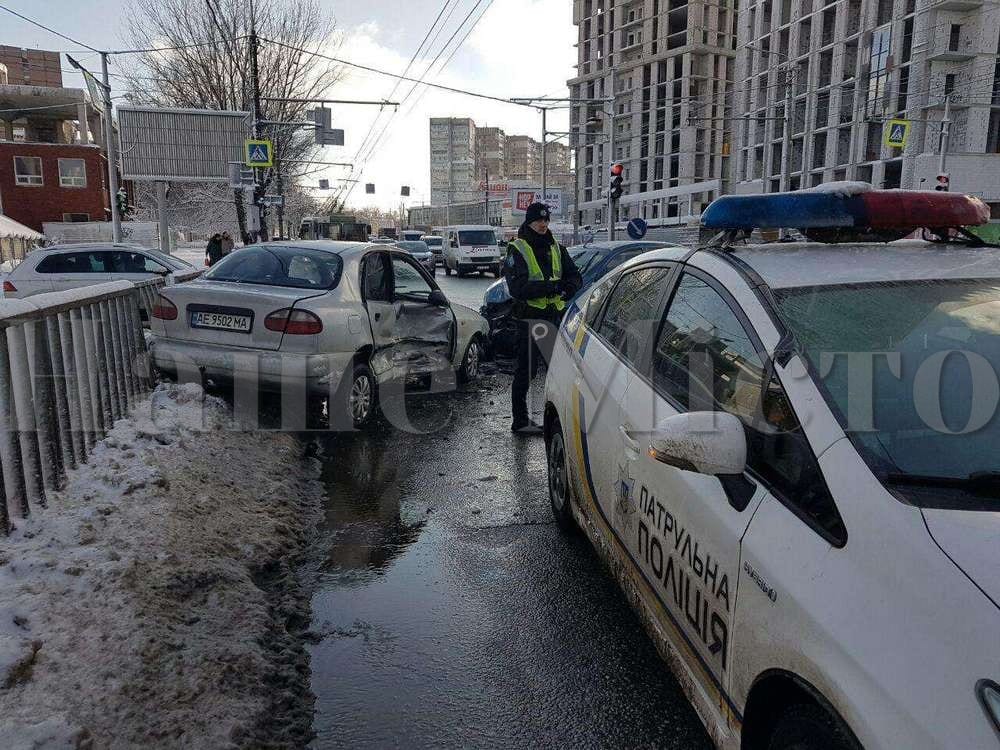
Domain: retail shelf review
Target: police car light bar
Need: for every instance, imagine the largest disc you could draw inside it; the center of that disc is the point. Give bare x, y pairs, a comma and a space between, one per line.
847, 208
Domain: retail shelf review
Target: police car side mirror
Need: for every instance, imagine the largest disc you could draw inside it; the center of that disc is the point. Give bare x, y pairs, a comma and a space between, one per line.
706, 442
437, 298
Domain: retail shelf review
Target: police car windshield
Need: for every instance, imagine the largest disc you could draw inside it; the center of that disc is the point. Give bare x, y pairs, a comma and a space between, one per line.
927, 355
477, 237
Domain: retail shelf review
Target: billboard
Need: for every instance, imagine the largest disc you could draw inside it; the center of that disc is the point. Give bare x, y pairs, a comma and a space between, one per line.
519, 198
180, 145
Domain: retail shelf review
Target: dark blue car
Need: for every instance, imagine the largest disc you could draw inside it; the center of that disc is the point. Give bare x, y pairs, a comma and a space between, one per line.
592, 260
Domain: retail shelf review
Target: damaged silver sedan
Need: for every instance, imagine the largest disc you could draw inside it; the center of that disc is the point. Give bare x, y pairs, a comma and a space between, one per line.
333, 321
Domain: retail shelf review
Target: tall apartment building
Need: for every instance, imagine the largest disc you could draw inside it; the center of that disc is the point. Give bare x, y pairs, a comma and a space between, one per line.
847, 66
523, 158
453, 160
665, 67
31, 67
491, 146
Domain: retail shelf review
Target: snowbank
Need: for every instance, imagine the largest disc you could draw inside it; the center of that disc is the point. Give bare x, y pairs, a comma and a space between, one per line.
150, 604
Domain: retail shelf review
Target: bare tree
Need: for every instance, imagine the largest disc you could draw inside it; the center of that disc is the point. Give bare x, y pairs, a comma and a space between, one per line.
187, 72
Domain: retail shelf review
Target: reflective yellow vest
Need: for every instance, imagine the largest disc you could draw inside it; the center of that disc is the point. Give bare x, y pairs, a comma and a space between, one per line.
535, 273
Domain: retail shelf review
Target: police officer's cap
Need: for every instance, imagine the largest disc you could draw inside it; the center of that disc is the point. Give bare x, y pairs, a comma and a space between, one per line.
536, 212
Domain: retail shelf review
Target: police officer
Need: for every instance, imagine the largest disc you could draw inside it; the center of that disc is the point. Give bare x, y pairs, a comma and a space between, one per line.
540, 277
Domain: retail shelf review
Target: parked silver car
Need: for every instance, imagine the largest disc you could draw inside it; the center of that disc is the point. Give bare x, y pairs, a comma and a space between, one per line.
339, 319
62, 267
420, 251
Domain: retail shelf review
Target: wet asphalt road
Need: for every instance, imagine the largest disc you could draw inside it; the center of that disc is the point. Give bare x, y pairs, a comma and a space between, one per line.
452, 612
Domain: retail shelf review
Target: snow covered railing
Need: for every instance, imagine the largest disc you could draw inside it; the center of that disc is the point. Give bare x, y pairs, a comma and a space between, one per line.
71, 363
148, 292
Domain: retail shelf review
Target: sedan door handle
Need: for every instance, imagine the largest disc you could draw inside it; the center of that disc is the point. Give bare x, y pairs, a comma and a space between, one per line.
378, 316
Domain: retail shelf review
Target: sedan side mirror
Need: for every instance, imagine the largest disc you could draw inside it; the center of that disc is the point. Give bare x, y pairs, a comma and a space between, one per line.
437, 298
705, 442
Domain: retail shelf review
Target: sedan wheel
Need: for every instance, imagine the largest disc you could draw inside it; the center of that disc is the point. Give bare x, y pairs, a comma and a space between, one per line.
362, 398
470, 362
558, 479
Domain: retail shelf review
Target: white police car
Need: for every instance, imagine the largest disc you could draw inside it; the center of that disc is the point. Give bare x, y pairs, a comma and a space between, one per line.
789, 455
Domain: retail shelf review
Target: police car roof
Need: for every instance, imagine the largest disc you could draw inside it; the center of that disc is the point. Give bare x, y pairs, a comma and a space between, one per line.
800, 264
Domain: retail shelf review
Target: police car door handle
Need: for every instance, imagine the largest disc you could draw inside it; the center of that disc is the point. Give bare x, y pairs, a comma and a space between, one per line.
631, 445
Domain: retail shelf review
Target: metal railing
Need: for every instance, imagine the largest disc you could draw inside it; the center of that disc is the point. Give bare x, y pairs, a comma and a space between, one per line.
71, 363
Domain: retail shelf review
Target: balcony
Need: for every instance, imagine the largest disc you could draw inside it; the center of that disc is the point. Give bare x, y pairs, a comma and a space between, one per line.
948, 50
959, 5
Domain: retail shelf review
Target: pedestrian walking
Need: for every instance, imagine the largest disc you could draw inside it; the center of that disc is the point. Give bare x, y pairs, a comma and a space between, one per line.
213, 251
227, 244
540, 277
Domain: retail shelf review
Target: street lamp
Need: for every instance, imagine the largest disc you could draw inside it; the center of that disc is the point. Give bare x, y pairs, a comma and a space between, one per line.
593, 121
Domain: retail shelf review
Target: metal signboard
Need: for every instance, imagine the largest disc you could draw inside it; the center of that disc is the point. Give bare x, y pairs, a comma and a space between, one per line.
273, 200
258, 153
180, 145
896, 132
522, 197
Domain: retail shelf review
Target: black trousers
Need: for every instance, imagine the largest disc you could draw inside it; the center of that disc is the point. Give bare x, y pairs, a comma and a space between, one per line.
535, 338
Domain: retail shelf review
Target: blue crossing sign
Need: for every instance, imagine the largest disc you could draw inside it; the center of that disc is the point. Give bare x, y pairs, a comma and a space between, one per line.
258, 153
896, 133
637, 229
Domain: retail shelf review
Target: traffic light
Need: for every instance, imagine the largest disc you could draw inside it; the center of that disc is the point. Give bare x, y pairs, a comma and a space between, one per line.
616, 181
121, 198
943, 179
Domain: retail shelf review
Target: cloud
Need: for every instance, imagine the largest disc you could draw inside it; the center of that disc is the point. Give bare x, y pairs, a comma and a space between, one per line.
518, 49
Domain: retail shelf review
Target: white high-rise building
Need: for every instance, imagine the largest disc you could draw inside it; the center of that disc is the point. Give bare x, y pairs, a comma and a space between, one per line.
669, 65
453, 160
847, 67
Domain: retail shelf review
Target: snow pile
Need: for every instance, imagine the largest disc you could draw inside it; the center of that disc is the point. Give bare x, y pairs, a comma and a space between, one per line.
150, 604
842, 188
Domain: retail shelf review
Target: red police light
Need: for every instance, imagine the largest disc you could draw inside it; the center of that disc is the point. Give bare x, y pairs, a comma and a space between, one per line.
617, 169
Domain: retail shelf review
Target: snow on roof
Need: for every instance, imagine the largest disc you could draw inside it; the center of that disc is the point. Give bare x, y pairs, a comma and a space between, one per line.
802, 264
843, 188
10, 228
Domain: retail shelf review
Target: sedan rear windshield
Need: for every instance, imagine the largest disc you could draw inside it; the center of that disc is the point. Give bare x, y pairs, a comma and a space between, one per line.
477, 237
432, 241
912, 370
279, 265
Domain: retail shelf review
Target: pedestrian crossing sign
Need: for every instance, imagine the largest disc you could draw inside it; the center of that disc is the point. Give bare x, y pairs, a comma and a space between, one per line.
258, 153
896, 133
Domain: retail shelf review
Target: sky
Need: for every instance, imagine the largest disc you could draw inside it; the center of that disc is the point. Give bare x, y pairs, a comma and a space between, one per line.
519, 48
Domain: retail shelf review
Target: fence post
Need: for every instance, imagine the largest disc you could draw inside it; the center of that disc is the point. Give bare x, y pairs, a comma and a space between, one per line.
119, 355
72, 389
64, 434
24, 416
49, 455
128, 347
142, 357
110, 365
11, 464
87, 365
101, 370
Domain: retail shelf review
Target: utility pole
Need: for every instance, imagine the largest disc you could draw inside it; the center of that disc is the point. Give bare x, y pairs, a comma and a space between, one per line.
576, 192
611, 160
544, 156
945, 130
786, 161
486, 200
258, 192
112, 151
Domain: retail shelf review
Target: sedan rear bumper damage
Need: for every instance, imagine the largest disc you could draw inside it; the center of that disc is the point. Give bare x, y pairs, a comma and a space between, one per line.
272, 371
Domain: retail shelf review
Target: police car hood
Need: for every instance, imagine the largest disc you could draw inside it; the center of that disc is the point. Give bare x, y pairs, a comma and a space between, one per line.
972, 540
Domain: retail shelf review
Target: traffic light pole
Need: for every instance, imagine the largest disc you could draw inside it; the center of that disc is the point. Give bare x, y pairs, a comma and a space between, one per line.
945, 129
612, 203
112, 152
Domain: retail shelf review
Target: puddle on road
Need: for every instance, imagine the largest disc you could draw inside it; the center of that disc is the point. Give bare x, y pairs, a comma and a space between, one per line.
451, 612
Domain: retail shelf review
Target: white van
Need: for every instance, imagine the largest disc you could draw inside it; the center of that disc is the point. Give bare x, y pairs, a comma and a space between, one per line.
471, 247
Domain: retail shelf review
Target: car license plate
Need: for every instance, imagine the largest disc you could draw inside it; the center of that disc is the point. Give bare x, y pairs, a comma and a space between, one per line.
221, 321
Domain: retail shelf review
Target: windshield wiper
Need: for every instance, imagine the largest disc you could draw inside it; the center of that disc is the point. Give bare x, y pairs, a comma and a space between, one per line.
985, 483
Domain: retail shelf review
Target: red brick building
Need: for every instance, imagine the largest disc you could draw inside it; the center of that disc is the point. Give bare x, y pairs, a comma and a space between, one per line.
42, 182
52, 159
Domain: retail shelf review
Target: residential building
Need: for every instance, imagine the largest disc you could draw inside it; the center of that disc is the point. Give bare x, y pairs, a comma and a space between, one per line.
453, 160
843, 69
491, 146
558, 168
52, 157
31, 67
661, 70
523, 162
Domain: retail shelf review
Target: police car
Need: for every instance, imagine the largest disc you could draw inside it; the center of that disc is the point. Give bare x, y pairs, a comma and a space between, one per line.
789, 456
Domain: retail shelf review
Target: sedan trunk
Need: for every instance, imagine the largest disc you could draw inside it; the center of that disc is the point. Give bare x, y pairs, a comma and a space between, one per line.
227, 313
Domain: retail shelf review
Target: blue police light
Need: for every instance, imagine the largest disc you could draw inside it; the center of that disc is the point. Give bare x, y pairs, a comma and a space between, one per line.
845, 205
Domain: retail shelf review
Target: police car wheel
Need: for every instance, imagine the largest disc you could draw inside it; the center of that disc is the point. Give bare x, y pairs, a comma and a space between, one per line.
559, 479
809, 727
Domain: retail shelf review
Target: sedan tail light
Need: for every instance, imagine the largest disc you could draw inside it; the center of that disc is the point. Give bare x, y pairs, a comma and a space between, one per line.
164, 309
294, 322
8, 287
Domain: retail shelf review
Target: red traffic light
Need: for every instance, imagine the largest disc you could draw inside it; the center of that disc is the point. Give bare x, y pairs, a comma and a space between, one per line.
943, 180
617, 169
